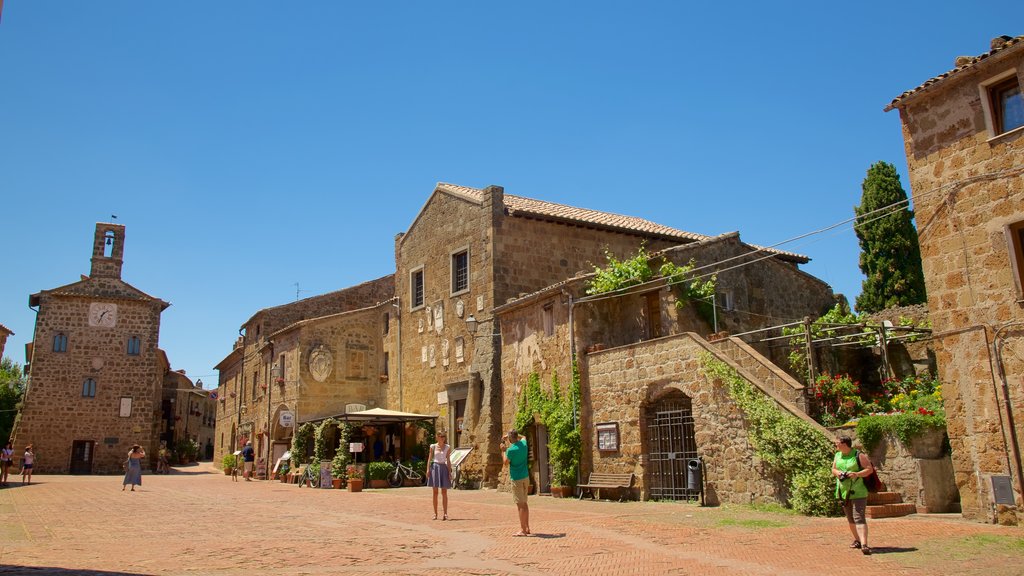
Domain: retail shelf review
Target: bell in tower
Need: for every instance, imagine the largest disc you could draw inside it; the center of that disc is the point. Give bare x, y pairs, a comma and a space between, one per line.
107, 251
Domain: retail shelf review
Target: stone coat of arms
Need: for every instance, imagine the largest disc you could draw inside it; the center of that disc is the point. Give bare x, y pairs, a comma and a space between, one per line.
320, 363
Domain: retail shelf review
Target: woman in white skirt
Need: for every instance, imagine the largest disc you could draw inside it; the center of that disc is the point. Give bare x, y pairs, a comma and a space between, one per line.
439, 471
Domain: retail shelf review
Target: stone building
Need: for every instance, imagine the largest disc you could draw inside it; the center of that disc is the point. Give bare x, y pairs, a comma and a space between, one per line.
4, 333
468, 252
95, 370
303, 360
646, 407
188, 412
432, 342
964, 140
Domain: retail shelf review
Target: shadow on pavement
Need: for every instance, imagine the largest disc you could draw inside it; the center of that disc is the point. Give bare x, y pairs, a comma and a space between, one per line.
20, 485
48, 571
891, 550
540, 535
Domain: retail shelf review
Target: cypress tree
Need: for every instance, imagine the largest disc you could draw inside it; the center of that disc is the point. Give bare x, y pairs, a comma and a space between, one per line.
890, 256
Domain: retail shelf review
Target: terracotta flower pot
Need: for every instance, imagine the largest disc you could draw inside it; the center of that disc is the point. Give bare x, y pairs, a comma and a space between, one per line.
336, 483
561, 491
355, 484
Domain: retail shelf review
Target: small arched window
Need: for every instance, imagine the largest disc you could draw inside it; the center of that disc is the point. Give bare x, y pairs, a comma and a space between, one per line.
134, 346
60, 343
89, 388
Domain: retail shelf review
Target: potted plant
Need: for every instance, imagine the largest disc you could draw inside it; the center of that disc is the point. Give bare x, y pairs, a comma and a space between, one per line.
228, 463
354, 474
339, 466
378, 473
186, 450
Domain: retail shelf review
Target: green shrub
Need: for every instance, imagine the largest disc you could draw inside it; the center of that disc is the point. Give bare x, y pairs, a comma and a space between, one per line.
905, 426
379, 470
789, 445
228, 462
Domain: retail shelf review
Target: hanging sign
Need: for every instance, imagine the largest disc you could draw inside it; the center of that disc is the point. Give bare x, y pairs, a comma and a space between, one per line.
287, 419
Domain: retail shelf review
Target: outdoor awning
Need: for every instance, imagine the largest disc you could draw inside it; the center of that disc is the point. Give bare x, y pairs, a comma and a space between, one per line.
376, 416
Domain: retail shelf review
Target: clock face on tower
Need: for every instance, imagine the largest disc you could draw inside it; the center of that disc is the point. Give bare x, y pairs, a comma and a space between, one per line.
102, 314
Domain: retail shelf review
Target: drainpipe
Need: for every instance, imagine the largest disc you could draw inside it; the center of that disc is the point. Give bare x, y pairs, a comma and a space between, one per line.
398, 349
572, 360
238, 395
270, 395
997, 345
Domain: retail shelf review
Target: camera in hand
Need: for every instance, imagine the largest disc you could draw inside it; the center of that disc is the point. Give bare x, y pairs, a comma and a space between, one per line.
844, 475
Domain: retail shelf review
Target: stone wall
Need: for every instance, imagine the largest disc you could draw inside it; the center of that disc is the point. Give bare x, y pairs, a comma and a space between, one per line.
922, 473
622, 381
4, 333
56, 414
647, 315
967, 186
252, 396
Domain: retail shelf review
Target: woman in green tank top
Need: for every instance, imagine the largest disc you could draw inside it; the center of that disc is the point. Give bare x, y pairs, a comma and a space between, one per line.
850, 467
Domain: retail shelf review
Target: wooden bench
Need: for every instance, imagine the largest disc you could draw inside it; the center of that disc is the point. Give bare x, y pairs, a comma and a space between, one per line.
598, 480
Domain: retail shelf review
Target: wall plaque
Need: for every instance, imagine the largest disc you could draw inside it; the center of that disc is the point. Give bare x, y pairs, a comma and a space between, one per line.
320, 363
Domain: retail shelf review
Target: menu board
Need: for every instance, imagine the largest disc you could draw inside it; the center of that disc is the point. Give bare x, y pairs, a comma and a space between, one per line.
325, 473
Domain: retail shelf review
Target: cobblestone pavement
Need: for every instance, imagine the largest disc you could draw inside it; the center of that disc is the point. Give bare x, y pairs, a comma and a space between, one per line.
197, 521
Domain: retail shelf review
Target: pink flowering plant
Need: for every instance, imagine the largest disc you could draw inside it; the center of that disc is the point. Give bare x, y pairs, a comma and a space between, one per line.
837, 398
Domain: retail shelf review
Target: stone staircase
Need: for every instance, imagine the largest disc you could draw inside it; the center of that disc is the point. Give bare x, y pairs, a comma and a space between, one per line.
888, 505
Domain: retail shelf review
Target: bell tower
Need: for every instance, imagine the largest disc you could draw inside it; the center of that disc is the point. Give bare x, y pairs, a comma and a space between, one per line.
107, 251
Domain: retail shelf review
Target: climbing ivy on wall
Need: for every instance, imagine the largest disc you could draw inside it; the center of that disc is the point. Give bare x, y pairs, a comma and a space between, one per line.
789, 445
618, 274
299, 441
557, 411
319, 448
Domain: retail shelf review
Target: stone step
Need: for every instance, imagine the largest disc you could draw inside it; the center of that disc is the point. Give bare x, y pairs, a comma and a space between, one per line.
890, 510
879, 498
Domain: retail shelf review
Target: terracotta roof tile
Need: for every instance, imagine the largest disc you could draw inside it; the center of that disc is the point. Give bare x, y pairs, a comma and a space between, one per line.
522, 206
963, 63
6, 329
519, 205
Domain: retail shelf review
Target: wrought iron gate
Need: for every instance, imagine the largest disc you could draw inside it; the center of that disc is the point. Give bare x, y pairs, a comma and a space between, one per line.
670, 442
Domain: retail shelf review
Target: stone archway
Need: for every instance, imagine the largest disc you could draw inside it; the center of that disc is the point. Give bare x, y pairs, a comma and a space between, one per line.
668, 443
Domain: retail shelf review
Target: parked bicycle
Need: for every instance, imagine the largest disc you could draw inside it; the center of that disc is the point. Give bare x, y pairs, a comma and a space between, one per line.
397, 476
309, 478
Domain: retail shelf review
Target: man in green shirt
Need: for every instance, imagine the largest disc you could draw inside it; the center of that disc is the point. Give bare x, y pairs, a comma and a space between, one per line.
516, 454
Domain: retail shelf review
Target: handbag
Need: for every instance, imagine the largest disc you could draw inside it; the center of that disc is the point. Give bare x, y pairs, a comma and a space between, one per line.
872, 481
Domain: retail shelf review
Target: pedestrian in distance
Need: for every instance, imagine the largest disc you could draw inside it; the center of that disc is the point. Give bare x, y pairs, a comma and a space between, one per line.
28, 460
248, 459
6, 459
850, 467
439, 472
163, 465
515, 453
133, 467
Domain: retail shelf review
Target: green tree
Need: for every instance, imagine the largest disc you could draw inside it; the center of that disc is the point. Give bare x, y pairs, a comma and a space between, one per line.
890, 257
12, 388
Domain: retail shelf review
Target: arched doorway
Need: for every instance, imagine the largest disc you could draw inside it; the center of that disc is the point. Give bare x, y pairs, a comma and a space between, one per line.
670, 442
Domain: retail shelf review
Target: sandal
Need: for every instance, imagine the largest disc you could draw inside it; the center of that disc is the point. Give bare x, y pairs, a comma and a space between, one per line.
445, 517
865, 551
856, 544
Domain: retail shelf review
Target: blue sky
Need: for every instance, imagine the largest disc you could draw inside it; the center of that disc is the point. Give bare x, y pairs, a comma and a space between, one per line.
252, 146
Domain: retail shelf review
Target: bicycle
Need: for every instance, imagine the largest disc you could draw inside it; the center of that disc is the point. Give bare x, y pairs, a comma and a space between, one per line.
397, 476
309, 476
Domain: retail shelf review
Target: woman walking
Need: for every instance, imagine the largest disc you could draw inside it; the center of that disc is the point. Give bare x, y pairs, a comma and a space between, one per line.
133, 468
6, 458
850, 467
28, 460
439, 471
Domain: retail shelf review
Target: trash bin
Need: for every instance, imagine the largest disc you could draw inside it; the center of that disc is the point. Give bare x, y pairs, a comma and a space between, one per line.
694, 480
